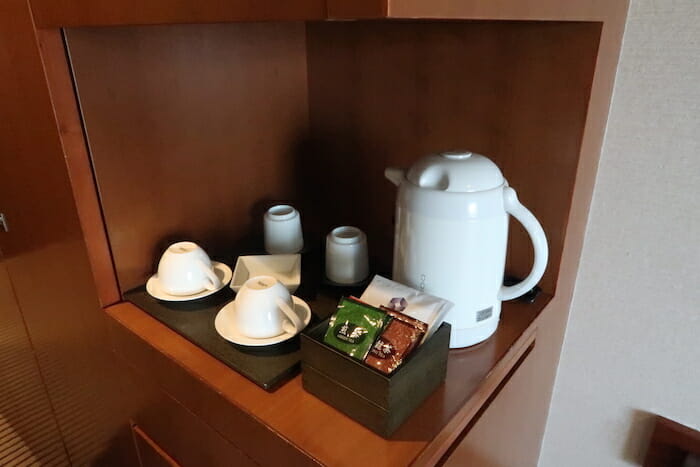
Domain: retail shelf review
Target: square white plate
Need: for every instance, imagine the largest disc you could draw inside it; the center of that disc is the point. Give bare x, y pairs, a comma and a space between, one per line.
285, 268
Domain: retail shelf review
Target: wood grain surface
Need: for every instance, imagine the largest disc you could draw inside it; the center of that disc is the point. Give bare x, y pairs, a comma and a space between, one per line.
385, 94
525, 108
70, 127
46, 259
50, 235
535, 10
289, 424
150, 454
199, 122
52, 14
173, 433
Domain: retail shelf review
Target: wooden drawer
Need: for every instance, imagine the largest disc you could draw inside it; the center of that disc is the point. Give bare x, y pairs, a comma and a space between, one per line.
168, 434
190, 420
150, 454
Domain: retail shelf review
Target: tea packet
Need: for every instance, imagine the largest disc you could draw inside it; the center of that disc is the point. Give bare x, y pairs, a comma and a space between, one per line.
416, 323
354, 327
382, 292
396, 342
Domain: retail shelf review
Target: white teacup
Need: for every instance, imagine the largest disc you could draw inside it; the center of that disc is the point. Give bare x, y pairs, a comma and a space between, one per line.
262, 304
185, 269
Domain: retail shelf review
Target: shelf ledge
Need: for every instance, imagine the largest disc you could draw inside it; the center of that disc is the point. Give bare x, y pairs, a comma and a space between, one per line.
294, 418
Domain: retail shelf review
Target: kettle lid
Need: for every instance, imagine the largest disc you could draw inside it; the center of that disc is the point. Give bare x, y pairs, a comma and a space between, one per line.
457, 172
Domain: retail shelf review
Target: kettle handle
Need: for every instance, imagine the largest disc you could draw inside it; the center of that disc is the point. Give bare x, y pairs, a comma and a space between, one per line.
539, 243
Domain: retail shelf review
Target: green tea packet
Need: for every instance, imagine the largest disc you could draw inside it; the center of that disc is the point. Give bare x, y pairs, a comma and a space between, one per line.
354, 327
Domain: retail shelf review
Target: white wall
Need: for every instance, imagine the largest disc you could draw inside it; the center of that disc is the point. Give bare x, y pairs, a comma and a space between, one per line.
632, 345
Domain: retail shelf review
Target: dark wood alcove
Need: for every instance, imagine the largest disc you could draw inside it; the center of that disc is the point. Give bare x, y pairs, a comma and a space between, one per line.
194, 129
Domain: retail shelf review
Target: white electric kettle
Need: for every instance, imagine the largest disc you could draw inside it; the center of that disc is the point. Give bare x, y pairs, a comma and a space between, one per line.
451, 236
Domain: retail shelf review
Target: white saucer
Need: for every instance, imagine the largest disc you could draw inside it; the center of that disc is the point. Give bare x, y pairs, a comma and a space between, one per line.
225, 325
222, 271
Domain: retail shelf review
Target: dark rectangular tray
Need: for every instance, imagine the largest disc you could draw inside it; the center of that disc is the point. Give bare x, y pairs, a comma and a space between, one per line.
267, 367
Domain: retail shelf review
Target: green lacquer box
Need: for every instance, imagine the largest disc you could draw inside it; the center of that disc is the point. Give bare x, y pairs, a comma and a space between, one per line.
377, 401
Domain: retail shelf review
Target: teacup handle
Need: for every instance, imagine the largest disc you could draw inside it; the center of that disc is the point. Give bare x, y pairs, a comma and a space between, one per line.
291, 314
213, 281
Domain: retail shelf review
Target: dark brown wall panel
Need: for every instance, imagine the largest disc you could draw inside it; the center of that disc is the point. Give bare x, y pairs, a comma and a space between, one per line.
174, 113
191, 130
384, 94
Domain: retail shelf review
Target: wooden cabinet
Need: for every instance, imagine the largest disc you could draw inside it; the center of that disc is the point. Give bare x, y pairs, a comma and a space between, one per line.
167, 433
132, 123
150, 454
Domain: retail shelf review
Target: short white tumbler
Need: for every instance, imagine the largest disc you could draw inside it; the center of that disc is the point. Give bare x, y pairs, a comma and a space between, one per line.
346, 255
282, 224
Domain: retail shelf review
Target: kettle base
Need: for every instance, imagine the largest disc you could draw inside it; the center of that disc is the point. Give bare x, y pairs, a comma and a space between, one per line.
466, 337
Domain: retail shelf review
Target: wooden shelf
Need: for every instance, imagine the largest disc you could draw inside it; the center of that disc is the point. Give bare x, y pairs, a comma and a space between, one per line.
539, 10
300, 423
51, 14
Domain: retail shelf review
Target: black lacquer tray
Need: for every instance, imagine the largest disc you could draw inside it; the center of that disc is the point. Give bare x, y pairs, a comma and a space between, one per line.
268, 367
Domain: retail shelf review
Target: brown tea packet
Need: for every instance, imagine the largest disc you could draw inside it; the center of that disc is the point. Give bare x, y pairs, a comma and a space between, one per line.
408, 319
395, 343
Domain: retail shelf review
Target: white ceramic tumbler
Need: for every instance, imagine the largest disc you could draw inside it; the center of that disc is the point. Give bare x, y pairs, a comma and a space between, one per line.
346, 255
283, 230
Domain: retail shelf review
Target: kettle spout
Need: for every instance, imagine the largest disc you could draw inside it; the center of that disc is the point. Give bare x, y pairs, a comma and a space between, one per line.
394, 175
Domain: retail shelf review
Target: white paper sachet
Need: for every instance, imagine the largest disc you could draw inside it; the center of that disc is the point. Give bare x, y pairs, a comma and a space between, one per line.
422, 306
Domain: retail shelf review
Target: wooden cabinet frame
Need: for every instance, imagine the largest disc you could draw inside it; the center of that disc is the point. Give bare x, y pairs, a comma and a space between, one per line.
151, 347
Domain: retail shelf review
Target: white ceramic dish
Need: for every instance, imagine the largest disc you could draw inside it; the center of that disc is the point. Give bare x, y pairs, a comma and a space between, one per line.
284, 268
222, 271
225, 325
